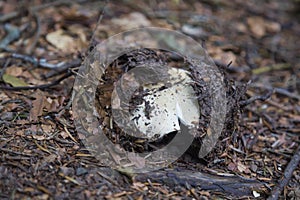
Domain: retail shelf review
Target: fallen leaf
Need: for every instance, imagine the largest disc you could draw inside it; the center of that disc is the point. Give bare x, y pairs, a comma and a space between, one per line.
133, 20
77, 13
38, 137
257, 26
67, 171
61, 40
253, 167
37, 106
240, 27
52, 105
79, 30
14, 81
224, 54
139, 186
242, 168
7, 116
14, 71
281, 140
231, 166
273, 27
49, 159
64, 134
47, 128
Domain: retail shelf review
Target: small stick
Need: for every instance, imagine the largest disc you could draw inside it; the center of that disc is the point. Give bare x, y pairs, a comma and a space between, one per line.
281, 91
65, 67
37, 62
13, 152
108, 178
255, 98
288, 172
280, 66
37, 33
43, 86
2, 71
13, 33
15, 14
69, 134
228, 67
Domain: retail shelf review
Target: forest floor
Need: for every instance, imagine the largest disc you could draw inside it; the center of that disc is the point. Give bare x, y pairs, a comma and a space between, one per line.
41, 154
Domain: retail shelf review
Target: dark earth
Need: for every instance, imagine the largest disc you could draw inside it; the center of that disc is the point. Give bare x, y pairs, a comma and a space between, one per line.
257, 45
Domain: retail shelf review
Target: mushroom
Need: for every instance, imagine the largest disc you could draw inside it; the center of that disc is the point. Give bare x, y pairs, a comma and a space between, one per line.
164, 104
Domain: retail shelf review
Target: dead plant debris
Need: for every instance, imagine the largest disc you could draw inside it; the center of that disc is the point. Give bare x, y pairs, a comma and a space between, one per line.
255, 43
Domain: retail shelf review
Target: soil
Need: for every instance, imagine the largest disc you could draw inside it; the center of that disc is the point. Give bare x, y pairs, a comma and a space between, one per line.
256, 43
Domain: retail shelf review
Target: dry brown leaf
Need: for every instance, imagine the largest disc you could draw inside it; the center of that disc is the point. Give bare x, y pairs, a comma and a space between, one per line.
231, 166
47, 128
14, 71
273, 27
37, 106
78, 13
38, 137
49, 159
64, 134
61, 40
280, 141
242, 168
241, 27
133, 20
139, 186
223, 56
82, 39
11, 106
257, 26
52, 105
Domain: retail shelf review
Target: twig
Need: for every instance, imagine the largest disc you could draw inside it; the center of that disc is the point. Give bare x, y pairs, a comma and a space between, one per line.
233, 185
281, 91
16, 165
288, 172
69, 134
41, 147
234, 69
280, 66
255, 98
2, 71
37, 33
8, 157
279, 105
65, 67
13, 152
284, 92
43, 86
15, 14
107, 178
278, 153
13, 33
101, 14
69, 178
58, 68
37, 62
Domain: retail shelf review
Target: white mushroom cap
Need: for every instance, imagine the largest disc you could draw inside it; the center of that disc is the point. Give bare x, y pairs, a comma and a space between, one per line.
163, 105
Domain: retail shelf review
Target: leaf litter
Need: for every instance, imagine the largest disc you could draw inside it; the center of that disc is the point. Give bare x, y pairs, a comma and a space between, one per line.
264, 36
